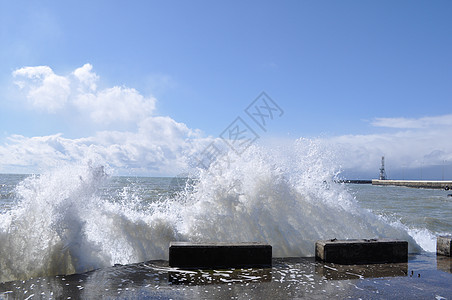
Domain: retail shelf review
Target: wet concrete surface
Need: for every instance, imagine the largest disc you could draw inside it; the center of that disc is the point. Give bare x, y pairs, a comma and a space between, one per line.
424, 276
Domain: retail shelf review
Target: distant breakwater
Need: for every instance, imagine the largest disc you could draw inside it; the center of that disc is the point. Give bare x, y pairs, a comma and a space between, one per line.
427, 184
356, 181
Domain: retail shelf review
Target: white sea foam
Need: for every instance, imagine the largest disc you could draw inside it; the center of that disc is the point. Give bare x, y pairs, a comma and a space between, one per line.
62, 226
425, 238
286, 198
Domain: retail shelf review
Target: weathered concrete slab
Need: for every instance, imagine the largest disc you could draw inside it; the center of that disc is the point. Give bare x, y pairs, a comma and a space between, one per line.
219, 255
362, 251
443, 245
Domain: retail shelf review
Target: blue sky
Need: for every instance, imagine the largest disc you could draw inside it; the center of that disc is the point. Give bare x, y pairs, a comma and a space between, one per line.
351, 73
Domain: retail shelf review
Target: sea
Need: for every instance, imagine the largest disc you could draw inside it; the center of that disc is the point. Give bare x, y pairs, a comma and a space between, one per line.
82, 231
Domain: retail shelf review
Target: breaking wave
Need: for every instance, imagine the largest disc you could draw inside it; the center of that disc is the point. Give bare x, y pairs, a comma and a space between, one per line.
64, 222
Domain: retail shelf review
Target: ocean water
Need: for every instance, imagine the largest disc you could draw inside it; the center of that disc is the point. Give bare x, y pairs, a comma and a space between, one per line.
80, 218
425, 213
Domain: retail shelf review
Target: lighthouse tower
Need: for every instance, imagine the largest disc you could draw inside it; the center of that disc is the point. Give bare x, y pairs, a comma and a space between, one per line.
382, 169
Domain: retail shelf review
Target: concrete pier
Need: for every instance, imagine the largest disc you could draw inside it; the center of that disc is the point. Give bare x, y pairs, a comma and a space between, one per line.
372, 251
426, 184
219, 255
444, 245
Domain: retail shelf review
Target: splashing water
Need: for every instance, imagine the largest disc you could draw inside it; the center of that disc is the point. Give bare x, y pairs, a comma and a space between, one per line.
62, 224
288, 200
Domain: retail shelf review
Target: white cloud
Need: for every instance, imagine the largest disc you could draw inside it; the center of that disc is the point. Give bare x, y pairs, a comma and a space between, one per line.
87, 78
161, 146
45, 90
50, 92
162, 128
403, 149
407, 123
153, 144
34, 72
115, 104
418, 143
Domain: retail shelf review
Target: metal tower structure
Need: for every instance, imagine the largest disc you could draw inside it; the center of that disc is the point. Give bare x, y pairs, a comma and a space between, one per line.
382, 169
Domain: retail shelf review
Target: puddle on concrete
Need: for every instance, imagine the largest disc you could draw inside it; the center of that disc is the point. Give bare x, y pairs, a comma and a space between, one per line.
424, 276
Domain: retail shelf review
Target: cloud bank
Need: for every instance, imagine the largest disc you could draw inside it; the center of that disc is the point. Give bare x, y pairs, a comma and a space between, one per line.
406, 123
157, 145
51, 93
416, 143
45, 90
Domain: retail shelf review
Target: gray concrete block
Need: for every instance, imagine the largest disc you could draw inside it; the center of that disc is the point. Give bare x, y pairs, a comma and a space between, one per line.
443, 245
219, 255
372, 251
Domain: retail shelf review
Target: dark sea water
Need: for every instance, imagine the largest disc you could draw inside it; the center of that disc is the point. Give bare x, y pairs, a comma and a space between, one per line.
78, 232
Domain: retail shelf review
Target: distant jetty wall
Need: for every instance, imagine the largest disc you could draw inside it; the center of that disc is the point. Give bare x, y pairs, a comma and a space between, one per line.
427, 184
355, 181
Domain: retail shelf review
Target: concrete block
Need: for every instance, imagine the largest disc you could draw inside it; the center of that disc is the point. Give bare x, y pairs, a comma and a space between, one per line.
219, 255
372, 251
443, 245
